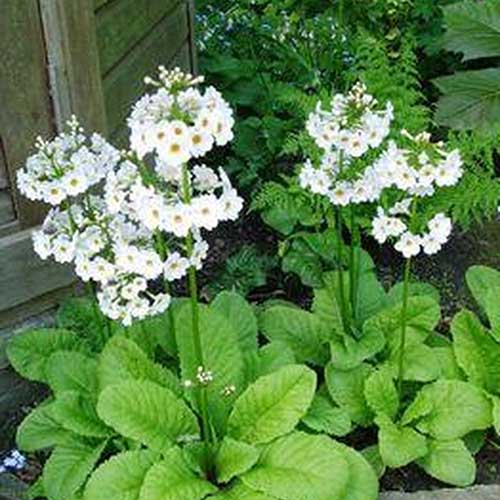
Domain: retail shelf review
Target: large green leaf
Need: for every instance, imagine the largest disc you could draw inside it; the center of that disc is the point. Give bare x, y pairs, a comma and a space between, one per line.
325, 416
399, 446
347, 390
450, 462
449, 409
148, 413
420, 363
122, 359
303, 331
300, 467
496, 415
172, 479
480, 279
477, 353
68, 467
274, 356
273, 405
241, 492
221, 355
416, 289
72, 371
422, 316
473, 28
381, 393
241, 317
470, 100
29, 352
77, 414
41, 430
234, 458
362, 483
121, 477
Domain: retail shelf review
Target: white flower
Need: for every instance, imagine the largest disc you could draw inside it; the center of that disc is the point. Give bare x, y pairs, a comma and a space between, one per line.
178, 220
150, 265
409, 245
175, 267
200, 252
319, 182
340, 194
42, 244
200, 142
205, 179
101, 270
83, 268
63, 249
206, 211
430, 244
440, 227
230, 205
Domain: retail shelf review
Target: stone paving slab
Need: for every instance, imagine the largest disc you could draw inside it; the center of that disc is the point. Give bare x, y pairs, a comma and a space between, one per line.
476, 493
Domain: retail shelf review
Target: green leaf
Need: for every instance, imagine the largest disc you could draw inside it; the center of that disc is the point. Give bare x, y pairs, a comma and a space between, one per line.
473, 29
381, 393
234, 458
241, 317
470, 100
148, 413
423, 314
28, 352
372, 456
448, 366
496, 415
477, 353
221, 355
449, 409
363, 482
480, 279
122, 359
241, 492
399, 446
172, 479
121, 477
347, 390
416, 289
492, 307
273, 405
302, 331
420, 363
348, 353
274, 356
450, 462
72, 371
41, 430
68, 467
325, 416
300, 466
77, 414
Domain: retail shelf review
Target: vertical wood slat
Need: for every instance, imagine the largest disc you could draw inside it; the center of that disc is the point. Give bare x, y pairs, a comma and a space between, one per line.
193, 54
26, 106
73, 59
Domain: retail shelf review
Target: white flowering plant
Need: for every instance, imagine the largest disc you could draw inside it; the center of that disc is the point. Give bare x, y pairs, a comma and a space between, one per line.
222, 417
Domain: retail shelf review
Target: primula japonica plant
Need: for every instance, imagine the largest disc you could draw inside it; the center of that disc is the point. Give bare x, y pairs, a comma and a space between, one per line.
219, 418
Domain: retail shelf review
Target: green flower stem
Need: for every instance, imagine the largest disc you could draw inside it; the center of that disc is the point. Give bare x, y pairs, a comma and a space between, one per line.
402, 345
195, 314
354, 266
340, 274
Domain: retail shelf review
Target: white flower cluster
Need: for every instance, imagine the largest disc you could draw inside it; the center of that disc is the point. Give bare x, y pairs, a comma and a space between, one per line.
345, 133
178, 122
67, 166
131, 237
13, 461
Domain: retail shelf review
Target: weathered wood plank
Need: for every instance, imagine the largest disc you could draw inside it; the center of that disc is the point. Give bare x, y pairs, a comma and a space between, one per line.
124, 84
193, 54
26, 106
100, 3
75, 75
23, 275
183, 58
6, 210
123, 24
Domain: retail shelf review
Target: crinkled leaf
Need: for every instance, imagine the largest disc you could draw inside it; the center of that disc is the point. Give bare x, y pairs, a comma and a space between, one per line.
274, 356
449, 409
77, 414
477, 353
347, 390
28, 352
496, 415
72, 371
300, 466
304, 332
273, 405
448, 366
473, 29
121, 477
122, 359
450, 462
172, 479
398, 445
68, 467
481, 279
41, 430
221, 355
241, 492
325, 416
381, 393
470, 100
420, 363
372, 456
234, 458
148, 413
416, 289
241, 317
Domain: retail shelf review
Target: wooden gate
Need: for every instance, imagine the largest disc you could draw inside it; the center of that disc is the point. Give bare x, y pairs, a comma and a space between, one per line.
59, 57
